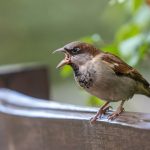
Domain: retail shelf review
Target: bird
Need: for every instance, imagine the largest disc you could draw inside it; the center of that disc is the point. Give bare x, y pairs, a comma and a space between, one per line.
104, 75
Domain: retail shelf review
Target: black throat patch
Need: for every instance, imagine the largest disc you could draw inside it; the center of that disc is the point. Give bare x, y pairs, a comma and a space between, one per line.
85, 79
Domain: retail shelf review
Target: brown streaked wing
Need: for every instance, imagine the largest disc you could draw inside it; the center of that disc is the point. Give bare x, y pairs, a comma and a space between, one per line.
122, 68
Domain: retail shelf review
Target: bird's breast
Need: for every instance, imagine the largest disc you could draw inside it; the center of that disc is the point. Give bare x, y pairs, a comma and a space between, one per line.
110, 87
101, 81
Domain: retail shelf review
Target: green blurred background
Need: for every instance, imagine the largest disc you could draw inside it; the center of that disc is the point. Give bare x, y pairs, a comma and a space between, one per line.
30, 30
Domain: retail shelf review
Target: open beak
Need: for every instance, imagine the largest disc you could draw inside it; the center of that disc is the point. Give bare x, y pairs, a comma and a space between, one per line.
66, 60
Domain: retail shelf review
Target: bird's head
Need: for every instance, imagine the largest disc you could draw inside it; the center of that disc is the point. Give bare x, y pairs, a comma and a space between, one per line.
77, 53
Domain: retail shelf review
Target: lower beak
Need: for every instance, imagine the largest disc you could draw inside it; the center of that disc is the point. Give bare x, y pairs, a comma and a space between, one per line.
65, 61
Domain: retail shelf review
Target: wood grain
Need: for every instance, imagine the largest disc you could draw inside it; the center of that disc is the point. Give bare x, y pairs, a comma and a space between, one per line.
34, 124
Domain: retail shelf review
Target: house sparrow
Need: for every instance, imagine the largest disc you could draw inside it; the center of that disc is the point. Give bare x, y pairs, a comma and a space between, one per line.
103, 75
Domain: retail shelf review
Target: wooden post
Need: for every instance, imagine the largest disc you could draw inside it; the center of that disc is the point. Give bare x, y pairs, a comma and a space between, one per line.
28, 123
30, 79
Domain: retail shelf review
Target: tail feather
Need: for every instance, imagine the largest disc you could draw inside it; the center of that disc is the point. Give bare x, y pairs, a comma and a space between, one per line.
148, 91
144, 90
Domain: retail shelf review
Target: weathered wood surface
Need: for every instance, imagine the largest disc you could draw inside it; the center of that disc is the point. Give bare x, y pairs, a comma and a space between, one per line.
32, 124
31, 79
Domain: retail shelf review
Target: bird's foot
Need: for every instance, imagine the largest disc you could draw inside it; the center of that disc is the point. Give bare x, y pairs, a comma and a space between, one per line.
116, 113
93, 120
102, 111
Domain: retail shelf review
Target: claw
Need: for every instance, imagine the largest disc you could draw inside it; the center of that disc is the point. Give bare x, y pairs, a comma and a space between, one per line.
93, 120
101, 112
115, 114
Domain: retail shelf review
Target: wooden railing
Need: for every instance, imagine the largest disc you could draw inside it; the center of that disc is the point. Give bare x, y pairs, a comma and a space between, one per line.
31, 79
28, 123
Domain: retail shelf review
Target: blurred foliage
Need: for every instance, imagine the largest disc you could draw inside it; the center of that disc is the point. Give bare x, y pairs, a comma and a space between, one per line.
131, 41
94, 101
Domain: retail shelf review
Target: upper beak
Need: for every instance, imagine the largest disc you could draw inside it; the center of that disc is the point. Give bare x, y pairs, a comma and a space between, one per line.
59, 50
65, 61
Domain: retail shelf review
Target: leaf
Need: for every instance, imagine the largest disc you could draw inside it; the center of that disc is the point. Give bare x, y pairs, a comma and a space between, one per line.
142, 18
143, 50
112, 48
94, 101
136, 4
66, 71
133, 49
127, 31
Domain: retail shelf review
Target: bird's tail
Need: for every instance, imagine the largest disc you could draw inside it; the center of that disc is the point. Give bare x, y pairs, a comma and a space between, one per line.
144, 90
148, 91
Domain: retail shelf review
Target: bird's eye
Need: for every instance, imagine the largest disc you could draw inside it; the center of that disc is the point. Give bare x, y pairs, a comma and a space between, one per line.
75, 50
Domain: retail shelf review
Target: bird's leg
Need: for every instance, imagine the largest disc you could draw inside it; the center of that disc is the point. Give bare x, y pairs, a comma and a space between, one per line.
101, 111
116, 113
106, 108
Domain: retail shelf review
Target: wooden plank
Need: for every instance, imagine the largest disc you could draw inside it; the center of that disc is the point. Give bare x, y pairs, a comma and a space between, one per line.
34, 124
31, 79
